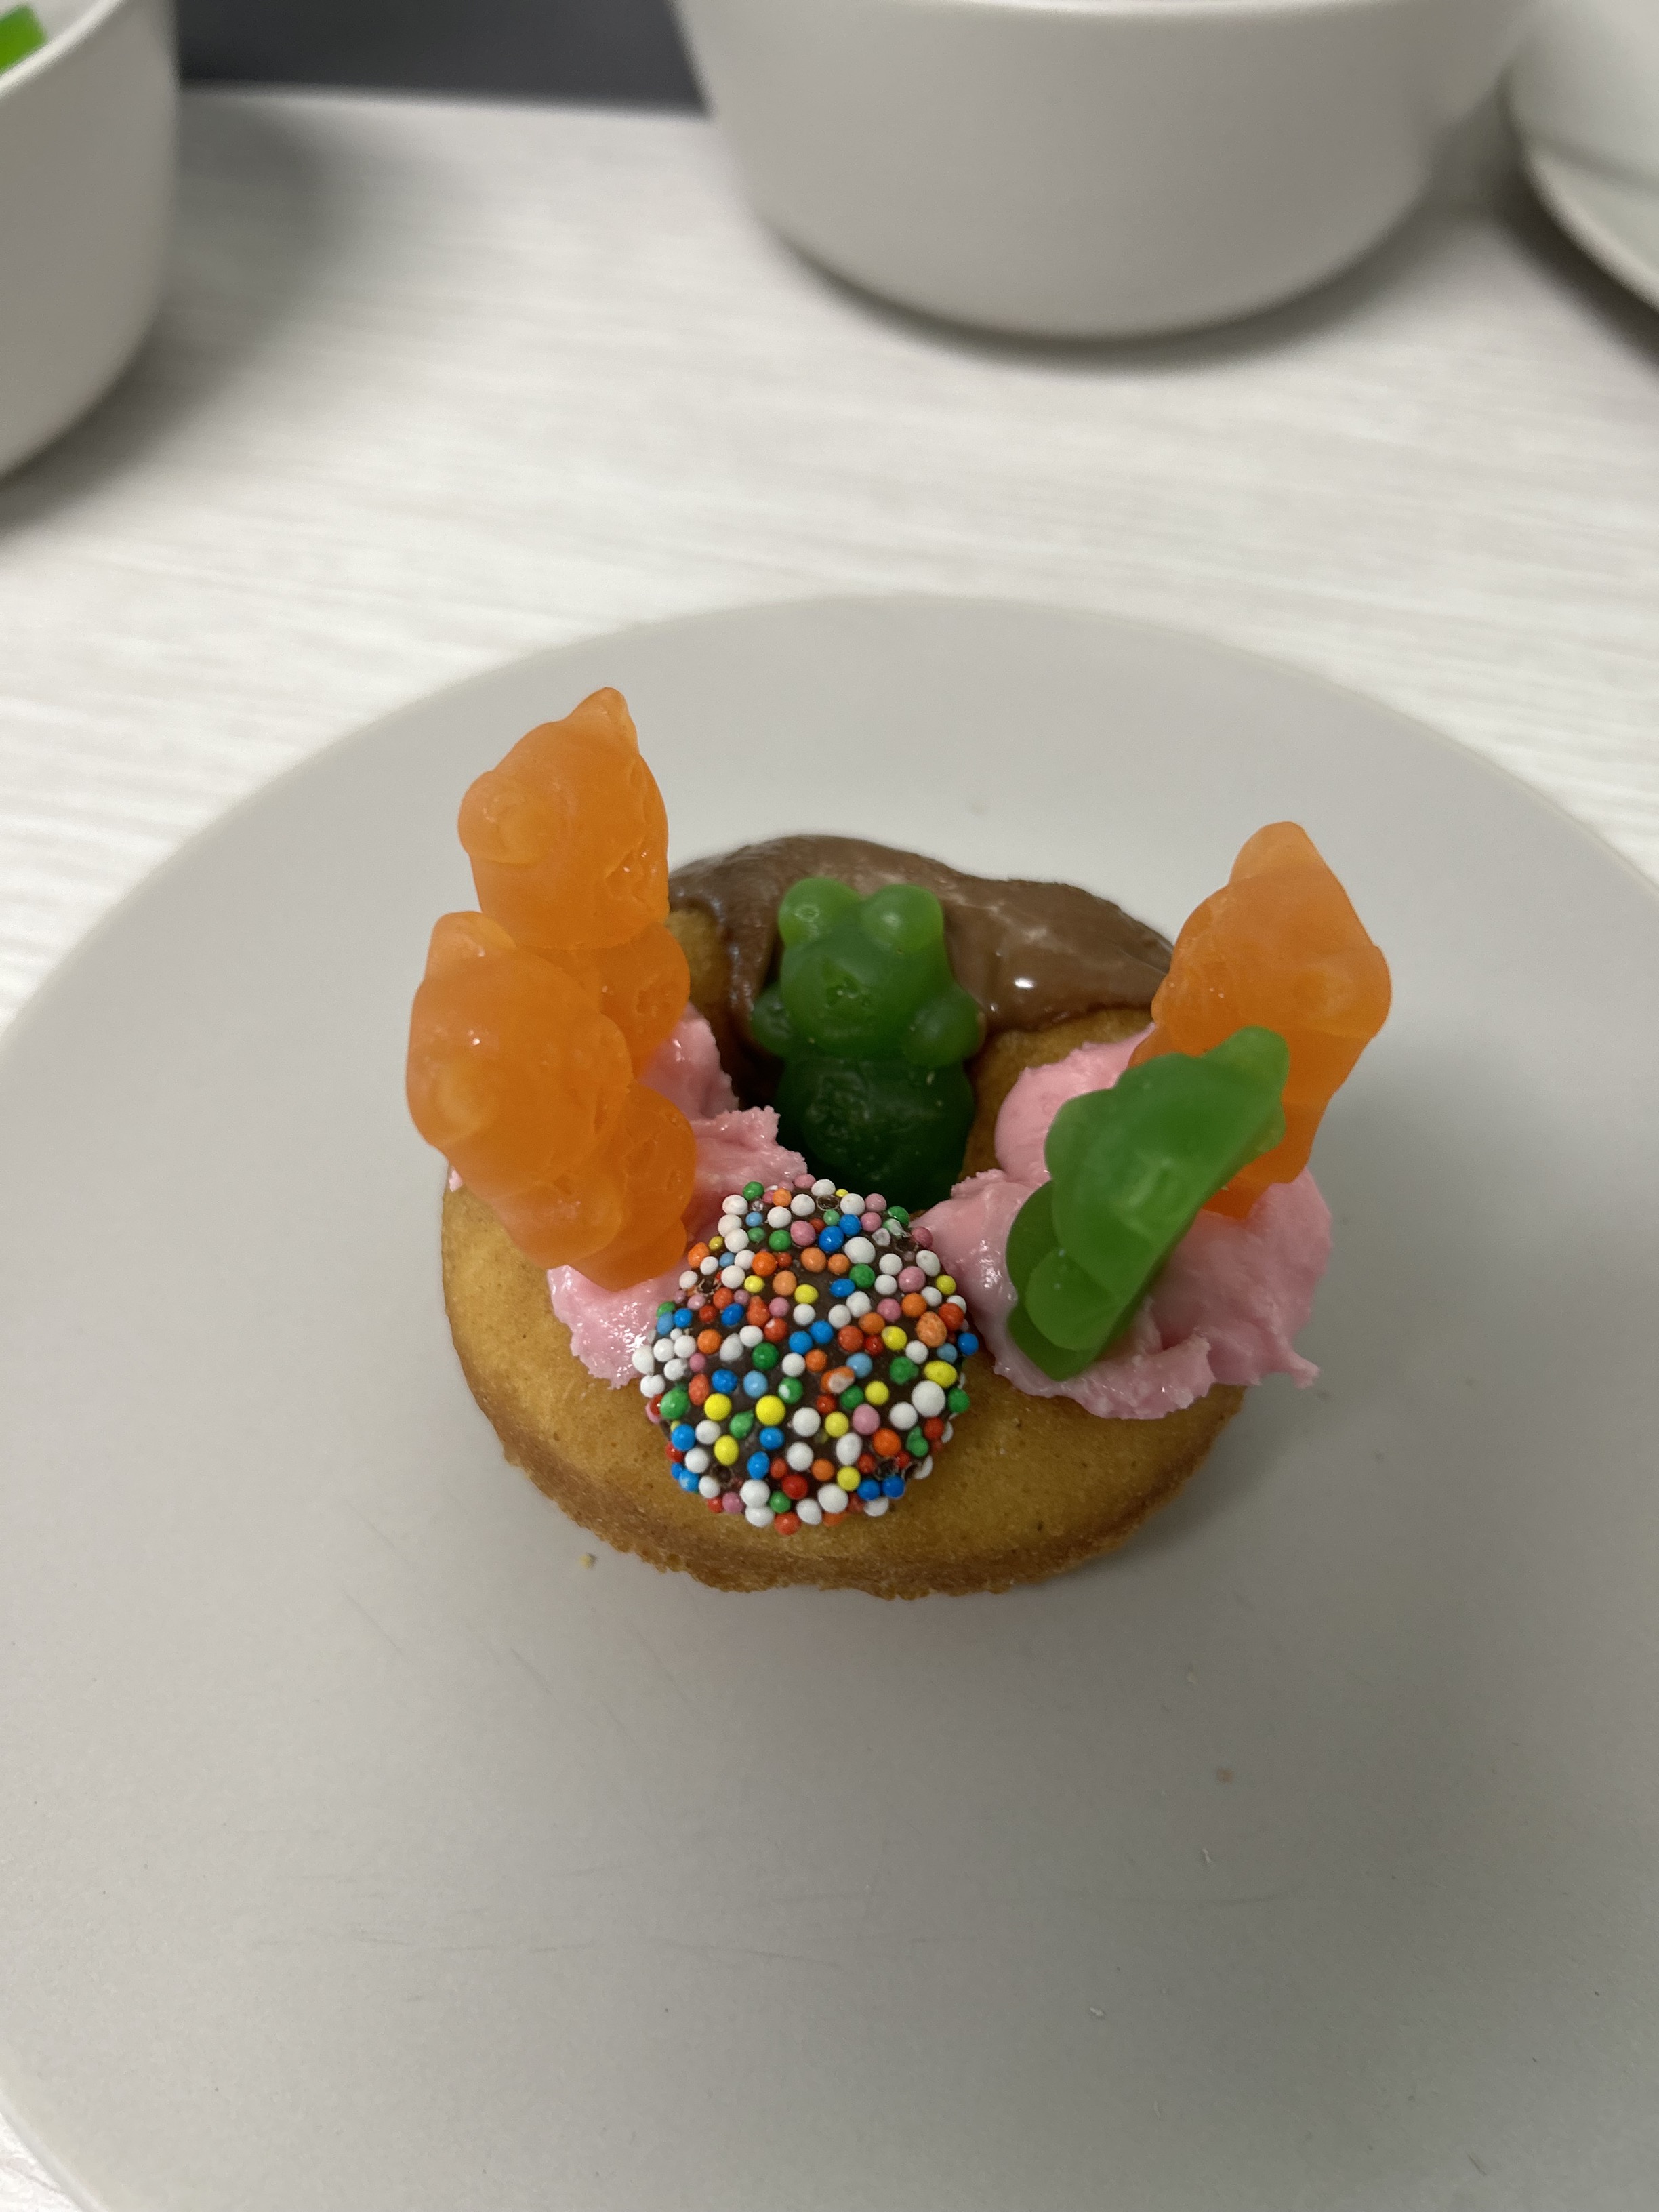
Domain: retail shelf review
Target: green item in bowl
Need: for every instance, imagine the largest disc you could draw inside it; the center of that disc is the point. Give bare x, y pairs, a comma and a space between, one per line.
20, 36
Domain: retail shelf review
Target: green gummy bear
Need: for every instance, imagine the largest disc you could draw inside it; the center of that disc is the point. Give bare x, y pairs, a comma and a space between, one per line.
1130, 1168
872, 1029
20, 36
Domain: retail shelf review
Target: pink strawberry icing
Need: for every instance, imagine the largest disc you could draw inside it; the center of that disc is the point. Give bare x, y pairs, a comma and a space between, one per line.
687, 1070
735, 1145
1226, 1309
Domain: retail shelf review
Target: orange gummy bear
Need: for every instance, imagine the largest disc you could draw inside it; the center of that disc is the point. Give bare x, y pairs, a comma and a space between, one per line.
515, 1077
1280, 948
569, 841
569, 837
536, 1015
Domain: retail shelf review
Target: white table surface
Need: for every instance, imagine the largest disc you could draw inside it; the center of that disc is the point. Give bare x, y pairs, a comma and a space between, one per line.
435, 384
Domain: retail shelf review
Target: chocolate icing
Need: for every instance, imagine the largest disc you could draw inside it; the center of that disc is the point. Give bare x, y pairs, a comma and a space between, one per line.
1032, 954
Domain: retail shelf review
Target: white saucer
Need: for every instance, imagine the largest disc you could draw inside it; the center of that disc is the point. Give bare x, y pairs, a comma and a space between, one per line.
1585, 98
366, 1850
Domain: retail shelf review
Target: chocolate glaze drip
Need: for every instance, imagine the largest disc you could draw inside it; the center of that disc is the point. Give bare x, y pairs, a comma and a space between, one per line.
1032, 954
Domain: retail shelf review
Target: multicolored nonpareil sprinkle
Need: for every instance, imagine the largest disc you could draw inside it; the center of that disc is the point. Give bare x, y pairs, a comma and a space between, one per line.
815, 1360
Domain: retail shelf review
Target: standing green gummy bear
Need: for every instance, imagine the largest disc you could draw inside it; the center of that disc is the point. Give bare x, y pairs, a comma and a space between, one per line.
872, 1029
1131, 1167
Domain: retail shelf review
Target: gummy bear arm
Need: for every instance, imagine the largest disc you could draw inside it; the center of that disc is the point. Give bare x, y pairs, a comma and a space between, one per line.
770, 1024
947, 1028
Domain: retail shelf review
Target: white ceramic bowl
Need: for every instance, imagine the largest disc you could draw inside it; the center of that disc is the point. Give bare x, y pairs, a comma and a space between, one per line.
86, 129
1091, 167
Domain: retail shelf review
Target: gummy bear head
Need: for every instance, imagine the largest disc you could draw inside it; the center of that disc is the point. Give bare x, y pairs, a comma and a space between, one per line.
857, 971
569, 837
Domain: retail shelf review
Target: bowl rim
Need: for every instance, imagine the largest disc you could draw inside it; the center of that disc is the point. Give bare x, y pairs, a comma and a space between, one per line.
87, 24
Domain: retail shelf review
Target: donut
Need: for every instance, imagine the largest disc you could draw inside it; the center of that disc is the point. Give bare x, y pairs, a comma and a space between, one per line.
1103, 1227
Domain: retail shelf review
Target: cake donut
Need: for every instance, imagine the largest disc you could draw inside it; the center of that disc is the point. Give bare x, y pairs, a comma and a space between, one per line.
822, 1214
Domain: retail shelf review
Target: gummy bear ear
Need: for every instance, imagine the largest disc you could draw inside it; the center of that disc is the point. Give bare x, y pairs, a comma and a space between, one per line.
459, 938
605, 713
504, 820
812, 907
903, 918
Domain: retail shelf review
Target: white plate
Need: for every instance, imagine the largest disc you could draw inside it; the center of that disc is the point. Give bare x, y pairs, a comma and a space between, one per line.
1585, 98
364, 1852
